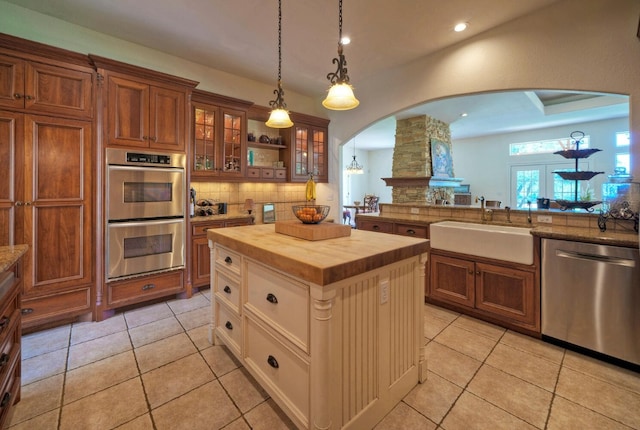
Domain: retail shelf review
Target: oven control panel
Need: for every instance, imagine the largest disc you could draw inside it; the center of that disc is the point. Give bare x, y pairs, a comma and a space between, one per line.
137, 157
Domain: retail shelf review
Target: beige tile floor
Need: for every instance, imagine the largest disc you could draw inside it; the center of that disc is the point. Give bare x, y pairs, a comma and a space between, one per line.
153, 368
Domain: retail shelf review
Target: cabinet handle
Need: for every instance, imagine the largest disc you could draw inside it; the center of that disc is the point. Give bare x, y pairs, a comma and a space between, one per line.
26, 311
226, 289
5, 399
376, 227
4, 359
272, 299
18, 96
411, 232
148, 287
228, 325
228, 260
27, 97
273, 362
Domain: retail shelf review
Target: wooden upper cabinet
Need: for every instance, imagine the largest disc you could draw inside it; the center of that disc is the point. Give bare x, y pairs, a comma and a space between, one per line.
146, 116
45, 88
308, 150
143, 108
11, 194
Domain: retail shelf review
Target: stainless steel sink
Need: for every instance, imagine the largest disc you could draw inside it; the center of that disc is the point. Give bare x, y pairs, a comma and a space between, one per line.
499, 242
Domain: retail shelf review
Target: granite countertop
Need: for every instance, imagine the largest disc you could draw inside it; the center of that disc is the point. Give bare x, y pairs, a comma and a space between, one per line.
10, 254
224, 217
626, 238
323, 261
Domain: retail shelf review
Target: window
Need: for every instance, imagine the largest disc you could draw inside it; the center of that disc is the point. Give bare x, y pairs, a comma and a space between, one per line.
622, 152
546, 146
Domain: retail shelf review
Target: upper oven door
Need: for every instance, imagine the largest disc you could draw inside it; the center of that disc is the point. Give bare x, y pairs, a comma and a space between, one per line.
144, 192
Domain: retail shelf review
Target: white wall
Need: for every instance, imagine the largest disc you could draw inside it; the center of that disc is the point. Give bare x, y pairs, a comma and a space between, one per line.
485, 164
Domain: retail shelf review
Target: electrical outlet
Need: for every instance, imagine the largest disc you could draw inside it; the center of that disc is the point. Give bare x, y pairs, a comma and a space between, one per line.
384, 291
547, 219
415, 211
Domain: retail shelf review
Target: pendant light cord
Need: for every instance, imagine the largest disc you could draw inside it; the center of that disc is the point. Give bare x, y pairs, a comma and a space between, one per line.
280, 40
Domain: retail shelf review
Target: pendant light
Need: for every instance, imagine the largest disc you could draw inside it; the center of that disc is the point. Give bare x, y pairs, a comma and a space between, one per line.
340, 95
279, 117
354, 168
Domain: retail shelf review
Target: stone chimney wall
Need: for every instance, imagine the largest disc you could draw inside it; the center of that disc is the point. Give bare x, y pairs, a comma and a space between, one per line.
412, 155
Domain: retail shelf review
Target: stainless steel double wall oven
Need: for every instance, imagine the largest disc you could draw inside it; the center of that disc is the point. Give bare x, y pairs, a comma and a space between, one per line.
145, 212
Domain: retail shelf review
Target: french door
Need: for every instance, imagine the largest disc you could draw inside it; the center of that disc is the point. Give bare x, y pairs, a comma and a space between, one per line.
532, 181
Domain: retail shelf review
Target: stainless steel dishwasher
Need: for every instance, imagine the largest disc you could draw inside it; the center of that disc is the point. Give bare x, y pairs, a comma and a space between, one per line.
591, 297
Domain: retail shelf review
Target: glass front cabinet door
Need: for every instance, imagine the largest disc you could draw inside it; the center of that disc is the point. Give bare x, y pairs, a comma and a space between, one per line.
309, 153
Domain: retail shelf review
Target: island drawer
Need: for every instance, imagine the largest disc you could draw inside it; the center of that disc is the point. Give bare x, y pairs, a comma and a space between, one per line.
227, 259
227, 289
228, 327
281, 301
281, 369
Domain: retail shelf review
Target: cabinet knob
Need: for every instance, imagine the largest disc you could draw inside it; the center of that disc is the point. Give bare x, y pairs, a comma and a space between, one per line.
4, 359
18, 96
273, 362
226, 289
477, 272
4, 321
27, 97
228, 260
19, 203
411, 232
228, 325
272, 299
26, 311
470, 271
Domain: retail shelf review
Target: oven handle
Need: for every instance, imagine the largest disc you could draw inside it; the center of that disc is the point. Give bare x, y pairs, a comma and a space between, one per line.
146, 223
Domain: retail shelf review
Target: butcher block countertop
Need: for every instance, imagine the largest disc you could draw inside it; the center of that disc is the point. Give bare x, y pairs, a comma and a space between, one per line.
10, 254
322, 261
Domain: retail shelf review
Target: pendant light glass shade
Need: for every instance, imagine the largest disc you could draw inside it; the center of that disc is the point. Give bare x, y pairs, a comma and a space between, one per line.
279, 117
340, 95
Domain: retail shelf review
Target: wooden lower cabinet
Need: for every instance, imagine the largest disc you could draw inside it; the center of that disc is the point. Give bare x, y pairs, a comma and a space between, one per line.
507, 294
200, 252
374, 225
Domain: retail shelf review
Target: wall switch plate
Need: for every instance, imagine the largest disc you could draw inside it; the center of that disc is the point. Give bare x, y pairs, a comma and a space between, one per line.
415, 210
384, 291
547, 219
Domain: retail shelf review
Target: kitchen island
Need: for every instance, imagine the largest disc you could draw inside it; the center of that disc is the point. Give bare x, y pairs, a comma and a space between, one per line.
331, 329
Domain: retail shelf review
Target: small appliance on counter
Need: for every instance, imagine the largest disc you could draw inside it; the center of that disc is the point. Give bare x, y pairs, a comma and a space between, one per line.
222, 208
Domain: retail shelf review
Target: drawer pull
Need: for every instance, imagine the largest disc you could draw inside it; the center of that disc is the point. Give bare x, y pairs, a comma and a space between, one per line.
148, 287
26, 311
273, 362
18, 96
4, 321
228, 325
411, 232
228, 260
4, 359
272, 299
226, 289
5, 399
376, 227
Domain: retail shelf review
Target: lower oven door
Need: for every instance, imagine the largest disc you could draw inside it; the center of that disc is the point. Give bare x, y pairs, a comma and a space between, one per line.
144, 246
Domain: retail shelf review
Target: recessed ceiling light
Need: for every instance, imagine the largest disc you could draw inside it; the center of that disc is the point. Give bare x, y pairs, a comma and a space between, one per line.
462, 26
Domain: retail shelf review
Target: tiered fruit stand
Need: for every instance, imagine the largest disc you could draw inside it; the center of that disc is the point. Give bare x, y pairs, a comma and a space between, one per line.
577, 175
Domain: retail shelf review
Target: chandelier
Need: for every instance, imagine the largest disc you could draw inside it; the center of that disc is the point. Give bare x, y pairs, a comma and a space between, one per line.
340, 95
354, 168
279, 117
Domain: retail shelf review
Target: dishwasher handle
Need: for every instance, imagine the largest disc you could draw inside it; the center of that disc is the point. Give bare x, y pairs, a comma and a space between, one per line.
627, 262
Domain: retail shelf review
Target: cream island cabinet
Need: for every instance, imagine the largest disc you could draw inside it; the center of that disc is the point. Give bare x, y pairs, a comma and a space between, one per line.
332, 329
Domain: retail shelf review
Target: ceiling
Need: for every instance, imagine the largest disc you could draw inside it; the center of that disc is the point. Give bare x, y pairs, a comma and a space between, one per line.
240, 37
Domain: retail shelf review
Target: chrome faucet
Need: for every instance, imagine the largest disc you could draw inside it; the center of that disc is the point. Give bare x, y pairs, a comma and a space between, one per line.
481, 200
529, 213
507, 209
